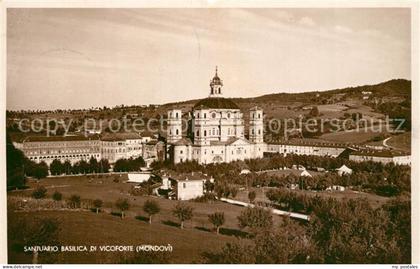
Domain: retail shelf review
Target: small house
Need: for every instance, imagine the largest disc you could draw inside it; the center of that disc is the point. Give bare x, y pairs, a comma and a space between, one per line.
344, 170
305, 173
187, 186
336, 188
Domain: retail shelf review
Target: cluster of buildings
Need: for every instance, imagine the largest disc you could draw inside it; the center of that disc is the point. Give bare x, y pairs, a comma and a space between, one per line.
216, 134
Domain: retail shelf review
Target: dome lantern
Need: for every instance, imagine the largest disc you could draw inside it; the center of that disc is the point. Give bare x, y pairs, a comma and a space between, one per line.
216, 86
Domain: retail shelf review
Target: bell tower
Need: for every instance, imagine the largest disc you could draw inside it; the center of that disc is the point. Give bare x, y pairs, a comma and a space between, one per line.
256, 125
174, 132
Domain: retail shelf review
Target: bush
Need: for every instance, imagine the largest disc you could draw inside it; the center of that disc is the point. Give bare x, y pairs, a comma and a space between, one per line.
255, 218
39, 193
57, 196
74, 201
251, 196
205, 198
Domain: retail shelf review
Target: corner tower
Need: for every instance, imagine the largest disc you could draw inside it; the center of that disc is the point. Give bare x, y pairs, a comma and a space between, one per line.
174, 132
256, 125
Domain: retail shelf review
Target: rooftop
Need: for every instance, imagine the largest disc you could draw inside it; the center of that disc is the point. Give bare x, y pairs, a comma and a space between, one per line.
120, 136
302, 142
198, 176
216, 102
60, 138
380, 153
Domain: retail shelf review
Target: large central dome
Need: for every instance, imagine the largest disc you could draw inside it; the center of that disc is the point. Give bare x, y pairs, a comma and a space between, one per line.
216, 102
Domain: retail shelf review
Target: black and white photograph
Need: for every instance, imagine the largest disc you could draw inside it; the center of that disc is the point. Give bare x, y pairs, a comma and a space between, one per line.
210, 134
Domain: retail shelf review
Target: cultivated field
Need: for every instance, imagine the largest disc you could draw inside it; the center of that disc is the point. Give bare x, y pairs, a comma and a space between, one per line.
351, 136
401, 142
87, 228
83, 227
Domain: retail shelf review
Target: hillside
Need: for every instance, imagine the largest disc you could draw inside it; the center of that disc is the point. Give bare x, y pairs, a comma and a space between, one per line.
371, 101
400, 88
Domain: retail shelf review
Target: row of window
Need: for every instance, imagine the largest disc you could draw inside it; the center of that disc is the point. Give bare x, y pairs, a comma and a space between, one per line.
213, 115
63, 156
61, 144
216, 132
61, 151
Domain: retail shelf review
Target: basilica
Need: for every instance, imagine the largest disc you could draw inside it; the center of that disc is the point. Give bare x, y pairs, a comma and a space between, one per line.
216, 131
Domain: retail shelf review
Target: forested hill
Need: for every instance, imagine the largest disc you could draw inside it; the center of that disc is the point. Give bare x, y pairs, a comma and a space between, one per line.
396, 88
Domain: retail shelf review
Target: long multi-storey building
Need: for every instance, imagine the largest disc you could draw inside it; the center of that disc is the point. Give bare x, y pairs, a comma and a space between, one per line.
78, 147
382, 156
72, 148
301, 147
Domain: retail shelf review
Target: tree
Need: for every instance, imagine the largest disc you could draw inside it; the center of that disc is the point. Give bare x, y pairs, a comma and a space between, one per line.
217, 219
251, 196
208, 186
67, 168
57, 196
255, 218
151, 208
314, 112
233, 191
97, 203
33, 232
40, 170
122, 205
183, 212
104, 166
39, 193
93, 165
56, 167
15, 160
74, 201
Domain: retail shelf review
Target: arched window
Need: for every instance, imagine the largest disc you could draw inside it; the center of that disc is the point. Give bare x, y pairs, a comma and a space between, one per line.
259, 115
205, 132
198, 133
205, 115
176, 115
252, 131
259, 131
177, 132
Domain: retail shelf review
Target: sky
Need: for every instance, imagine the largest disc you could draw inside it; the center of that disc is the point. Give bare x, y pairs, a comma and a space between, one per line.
82, 58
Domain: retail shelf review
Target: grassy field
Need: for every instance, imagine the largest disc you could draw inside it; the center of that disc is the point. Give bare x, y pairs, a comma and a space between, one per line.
401, 142
88, 228
351, 136
109, 192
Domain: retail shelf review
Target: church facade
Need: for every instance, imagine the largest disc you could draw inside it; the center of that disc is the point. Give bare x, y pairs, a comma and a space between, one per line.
216, 131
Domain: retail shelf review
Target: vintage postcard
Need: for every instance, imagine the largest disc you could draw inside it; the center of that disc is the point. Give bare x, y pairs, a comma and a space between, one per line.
209, 134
